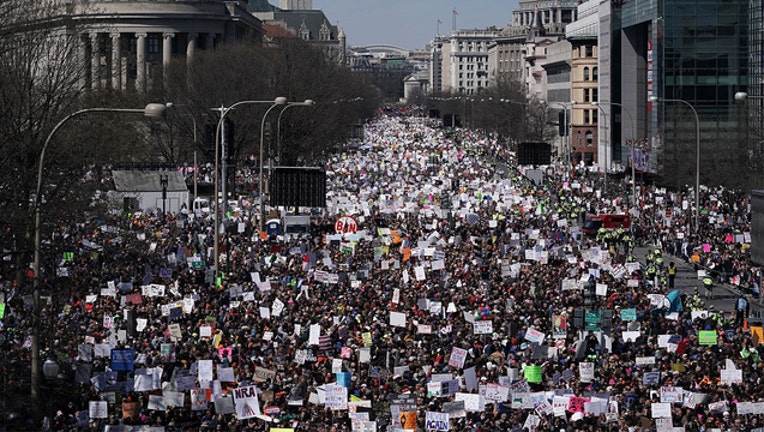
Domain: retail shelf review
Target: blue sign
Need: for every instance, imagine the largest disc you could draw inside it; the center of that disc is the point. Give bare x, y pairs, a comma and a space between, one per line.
273, 227
122, 359
343, 379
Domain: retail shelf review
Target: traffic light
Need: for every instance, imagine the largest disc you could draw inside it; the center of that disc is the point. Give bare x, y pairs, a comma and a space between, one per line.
230, 147
590, 293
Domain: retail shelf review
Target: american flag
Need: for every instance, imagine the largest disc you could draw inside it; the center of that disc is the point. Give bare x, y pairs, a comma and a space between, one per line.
472, 218
324, 343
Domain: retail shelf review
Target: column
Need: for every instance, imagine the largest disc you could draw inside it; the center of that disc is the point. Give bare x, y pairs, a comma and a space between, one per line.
166, 55
95, 61
116, 61
84, 60
167, 48
559, 15
140, 60
190, 46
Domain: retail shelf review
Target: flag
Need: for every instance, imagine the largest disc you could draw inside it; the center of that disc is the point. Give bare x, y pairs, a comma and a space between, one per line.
455, 12
325, 343
440, 22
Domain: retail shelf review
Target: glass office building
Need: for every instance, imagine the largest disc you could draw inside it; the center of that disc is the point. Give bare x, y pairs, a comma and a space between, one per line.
692, 54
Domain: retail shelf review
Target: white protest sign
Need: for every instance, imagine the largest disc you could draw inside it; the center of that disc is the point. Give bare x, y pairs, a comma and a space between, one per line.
436, 421
457, 358
397, 319
246, 403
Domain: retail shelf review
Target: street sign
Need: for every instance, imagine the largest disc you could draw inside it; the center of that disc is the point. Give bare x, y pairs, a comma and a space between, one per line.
346, 224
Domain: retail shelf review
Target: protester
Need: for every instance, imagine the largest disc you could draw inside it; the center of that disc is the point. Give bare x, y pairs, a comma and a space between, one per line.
467, 300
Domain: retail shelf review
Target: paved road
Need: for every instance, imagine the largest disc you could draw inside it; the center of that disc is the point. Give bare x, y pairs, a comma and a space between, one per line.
725, 295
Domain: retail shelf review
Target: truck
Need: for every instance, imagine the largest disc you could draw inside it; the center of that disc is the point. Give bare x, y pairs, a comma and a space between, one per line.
593, 223
289, 226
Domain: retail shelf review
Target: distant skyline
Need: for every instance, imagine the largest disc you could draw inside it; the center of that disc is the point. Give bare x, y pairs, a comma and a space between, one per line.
411, 24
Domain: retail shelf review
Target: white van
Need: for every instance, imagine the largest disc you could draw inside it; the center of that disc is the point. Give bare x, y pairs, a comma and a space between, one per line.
202, 205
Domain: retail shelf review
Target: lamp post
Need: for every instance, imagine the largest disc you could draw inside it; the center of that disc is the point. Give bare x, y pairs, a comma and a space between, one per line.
223, 112
697, 153
50, 371
604, 113
566, 106
307, 102
280, 101
152, 110
633, 137
163, 180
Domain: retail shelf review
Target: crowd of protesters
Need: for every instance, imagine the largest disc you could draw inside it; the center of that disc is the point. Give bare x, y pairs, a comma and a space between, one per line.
461, 270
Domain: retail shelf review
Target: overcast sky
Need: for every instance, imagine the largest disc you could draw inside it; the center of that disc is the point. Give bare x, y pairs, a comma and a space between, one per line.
411, 24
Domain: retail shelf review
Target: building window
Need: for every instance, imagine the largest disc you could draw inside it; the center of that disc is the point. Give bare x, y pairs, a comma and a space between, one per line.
589, 51
586, 96
586, 74
324, 33
589, 139
595, 73
587, 117
595, 94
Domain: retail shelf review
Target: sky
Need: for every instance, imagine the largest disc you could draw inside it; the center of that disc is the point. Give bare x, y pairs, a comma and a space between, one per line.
411, 24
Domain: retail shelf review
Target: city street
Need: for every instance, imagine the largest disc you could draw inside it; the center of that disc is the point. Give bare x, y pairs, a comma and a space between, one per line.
725, 295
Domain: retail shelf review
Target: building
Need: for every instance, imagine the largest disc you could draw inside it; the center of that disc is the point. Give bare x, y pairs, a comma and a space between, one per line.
464, 60
584, 73
582, 34
506, 59
436, 65
300, 19
148, 190
126, 44
691, 54
552, 81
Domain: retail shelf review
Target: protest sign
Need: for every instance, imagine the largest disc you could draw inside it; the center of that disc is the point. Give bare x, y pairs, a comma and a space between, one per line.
436, 421
245, 402
457, 358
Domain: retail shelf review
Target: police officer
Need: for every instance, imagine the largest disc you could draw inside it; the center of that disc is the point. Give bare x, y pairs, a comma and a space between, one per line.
671, 274
708, 284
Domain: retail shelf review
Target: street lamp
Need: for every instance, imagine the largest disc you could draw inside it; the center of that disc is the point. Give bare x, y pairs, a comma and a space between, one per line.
567, 106
280, 101
152, 110
697, 153
163, 180
604, 113
223, 111
633, 137
308, 102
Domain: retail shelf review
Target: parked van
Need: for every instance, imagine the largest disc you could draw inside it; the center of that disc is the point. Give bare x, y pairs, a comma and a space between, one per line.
610, 221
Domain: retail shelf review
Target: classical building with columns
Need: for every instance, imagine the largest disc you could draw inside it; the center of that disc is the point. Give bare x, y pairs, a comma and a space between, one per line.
127, 44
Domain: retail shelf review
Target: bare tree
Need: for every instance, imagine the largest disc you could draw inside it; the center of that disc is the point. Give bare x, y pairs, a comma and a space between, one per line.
289, 68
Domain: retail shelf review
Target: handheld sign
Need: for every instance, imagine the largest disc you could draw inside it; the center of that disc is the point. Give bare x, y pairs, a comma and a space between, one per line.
345, 224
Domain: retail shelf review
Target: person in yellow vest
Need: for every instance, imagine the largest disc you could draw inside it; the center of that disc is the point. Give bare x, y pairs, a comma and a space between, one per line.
708, 284
671, 275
